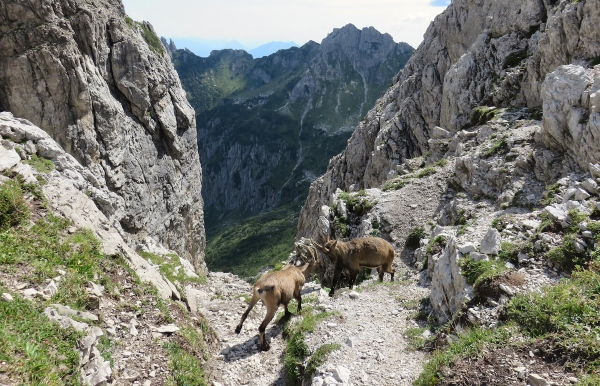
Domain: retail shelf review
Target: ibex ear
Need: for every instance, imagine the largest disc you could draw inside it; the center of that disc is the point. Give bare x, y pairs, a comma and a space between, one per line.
334, 244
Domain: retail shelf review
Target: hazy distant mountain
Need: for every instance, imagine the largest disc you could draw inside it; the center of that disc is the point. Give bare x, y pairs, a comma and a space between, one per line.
203, 47
270, 48
268, 126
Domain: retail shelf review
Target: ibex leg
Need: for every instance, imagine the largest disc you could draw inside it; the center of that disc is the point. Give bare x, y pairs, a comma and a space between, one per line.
245, 315
264, 345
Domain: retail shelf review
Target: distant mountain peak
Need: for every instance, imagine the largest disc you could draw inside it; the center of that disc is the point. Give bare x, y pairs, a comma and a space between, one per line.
270, 48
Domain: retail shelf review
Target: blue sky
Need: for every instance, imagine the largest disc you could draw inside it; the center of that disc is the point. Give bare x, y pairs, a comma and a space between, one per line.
256, 22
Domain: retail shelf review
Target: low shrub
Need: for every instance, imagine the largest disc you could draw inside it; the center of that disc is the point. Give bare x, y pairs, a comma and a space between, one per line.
393, 184
359, 202
483, 114
414, 237
475, 272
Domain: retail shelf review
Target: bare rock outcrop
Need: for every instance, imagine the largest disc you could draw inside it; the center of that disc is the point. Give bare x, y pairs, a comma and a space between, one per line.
476, 53
102, 86
571, 120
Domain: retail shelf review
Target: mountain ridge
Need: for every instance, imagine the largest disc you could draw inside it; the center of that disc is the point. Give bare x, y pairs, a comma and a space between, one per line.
267, 126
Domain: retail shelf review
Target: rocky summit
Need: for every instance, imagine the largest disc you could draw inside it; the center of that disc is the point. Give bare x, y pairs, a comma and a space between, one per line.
479, 165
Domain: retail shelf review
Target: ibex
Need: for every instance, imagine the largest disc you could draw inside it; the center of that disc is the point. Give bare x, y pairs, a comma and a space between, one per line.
279, 287
371, 252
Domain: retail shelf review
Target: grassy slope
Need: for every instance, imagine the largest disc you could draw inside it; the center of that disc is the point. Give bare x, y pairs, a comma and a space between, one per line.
254, 243
34, 246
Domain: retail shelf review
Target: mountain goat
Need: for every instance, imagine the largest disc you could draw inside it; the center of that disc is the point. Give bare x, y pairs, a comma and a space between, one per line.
371, 252
279, 287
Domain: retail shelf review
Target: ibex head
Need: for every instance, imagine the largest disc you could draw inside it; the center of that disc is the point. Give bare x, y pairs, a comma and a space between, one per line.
329, 248
312, 263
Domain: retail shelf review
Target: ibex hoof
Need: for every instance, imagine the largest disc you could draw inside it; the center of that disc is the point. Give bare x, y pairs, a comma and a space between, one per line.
238, 329
265, 347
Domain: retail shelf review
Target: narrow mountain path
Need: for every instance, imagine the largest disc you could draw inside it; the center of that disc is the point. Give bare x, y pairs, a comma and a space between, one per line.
368, 323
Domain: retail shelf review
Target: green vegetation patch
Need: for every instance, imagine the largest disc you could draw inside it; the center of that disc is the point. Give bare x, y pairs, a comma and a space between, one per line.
340, 224
13, 208
476, 272
563, 318
149, 36
359, 202
416, 340
561, 308
169, 268
483, 114
394, 184
436, 245
297, 350
509, 252
319, 357
567, 255
186, 368
499, 223
471, 343
429, 170
252, 244
549, 195
414, 237
566, 313
34, 349
499, 146
41, 164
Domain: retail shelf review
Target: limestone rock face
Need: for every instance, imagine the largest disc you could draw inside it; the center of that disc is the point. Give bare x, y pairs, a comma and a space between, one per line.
449, 289
476, 53
571, 119
85, 74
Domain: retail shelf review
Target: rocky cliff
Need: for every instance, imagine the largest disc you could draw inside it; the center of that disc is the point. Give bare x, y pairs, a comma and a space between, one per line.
103, 87
477, 53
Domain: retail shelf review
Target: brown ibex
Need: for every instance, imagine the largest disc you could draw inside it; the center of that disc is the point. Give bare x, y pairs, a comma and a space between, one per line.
279, 287
371, 252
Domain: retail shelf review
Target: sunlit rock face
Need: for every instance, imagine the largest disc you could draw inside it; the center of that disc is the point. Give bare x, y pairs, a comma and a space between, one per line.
477, 53
102, 86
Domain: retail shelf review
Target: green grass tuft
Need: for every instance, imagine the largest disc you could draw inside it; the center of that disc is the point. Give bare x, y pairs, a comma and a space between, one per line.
426, 172
498, 146
476, 272
471, 343
186, 369
549, 195
393, 184
483, 114
169, 268
35, 349
359, 202
319, 357
297, 350
415, 236
13, 208
41, 164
